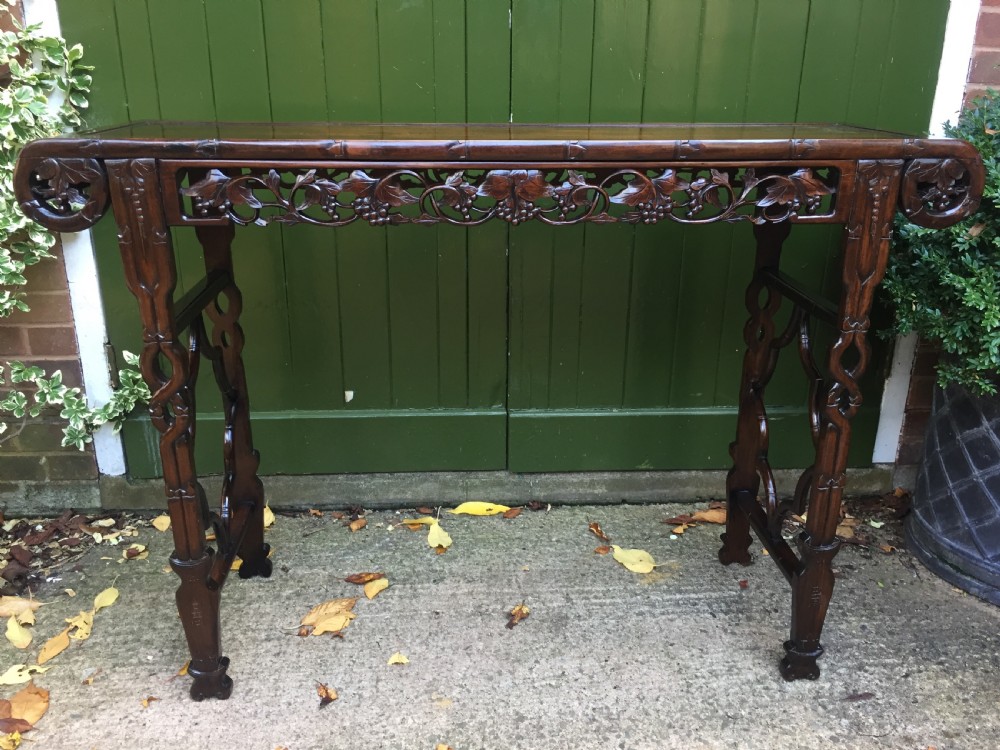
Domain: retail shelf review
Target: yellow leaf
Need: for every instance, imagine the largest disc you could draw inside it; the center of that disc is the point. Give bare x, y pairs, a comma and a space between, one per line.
54, 646
81, 625
442, 746
15, 605
17, 634
373, 588
70, 592
415, 523
20, 673
147, 700
237, 562
10, 741
135, 552
26, 618
184, 670
398, 658
712, 515
636, 560
327, 695
330, 617
518, 613
479, 508
29, 703
105, 523
161, 523
438, 537
105, 599
268, 516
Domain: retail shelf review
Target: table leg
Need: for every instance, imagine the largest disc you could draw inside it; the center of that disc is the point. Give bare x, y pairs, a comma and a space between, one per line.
170, 368
749, 450
242, 492
866, 248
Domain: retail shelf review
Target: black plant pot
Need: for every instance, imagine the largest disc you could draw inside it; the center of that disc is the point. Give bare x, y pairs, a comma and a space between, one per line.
954, 527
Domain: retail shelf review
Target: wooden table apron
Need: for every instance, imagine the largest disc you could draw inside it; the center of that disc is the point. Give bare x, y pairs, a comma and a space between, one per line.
635, 174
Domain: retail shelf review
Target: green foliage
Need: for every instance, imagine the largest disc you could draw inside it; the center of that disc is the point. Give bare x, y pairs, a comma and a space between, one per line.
47, 92
945, 283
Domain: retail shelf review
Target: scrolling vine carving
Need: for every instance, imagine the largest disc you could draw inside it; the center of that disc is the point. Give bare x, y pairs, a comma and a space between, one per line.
381, 196
66, 194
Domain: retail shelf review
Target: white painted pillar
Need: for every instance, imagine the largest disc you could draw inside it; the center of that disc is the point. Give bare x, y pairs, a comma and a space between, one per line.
85, 295
956, 57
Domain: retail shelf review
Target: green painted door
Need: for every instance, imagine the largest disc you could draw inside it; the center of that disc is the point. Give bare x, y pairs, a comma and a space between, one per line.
531, 348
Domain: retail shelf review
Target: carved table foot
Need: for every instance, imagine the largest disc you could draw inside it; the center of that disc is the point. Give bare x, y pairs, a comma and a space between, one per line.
257, 566
799, 663
735, 553
212, 684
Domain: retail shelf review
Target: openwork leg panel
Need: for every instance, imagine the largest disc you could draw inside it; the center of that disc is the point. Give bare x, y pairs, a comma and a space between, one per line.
170, 369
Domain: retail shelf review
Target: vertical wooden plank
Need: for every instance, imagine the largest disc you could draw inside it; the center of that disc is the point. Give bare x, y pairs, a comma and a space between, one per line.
911, 72
671, 73
351, 62
488, 45
869, 63
137, 60
826, 73
296, 266
488, 55
721, 97
239, 60
619, 59
406, 29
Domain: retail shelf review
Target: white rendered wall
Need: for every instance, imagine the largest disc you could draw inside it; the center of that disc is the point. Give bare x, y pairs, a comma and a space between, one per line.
85, 295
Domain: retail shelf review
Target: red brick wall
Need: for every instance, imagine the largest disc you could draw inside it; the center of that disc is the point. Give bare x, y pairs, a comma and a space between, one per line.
984, 72
44, 337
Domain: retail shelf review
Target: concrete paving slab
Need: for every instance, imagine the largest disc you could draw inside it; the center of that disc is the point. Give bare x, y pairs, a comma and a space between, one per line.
681, 658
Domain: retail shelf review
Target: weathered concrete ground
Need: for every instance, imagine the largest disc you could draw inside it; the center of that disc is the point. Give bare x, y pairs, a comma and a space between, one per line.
682, 658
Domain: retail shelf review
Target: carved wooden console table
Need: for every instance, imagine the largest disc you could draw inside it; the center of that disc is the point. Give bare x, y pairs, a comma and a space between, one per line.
216, 176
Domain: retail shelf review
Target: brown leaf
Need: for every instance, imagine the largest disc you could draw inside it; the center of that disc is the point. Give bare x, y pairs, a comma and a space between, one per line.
596, 530
681, 529
887, 548
712, 515
15, 605
357, 524
89, 679
7, 726
316, 513
363, 578
337, 515
424, 510
845, 532
440, 549
602, 550
683, 518
147, 700
4, 709
329, 617
517, 614
535, 505
744, 583
976, 229
327, 695
512, 513
29, 704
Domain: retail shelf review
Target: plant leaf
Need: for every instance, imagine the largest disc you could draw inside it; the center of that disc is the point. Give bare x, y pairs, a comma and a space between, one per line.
413, 524
268, 516
327, 695
398, 658
363, 578
329, 617
17, 633
518, 613
438, 537
20, 673
105, 599
15, 605
373, 588
161, 523
479, 508
636, 560
596, 530
712, 515
29, 703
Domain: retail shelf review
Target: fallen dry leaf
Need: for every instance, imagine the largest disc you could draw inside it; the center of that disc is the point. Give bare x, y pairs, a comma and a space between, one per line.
147, 700
135, 552
518, 613
105, 599
442, 746
845, 532
374, 588
27, 617
29, 703
17, 633
440, 550
887, 548
681, 529
512, 513
357, 524
398, 658
315, 513
237, 563
12, 606
89, 679
161, 523
636, 560
268, 517
329, 617
438, 537
10, 741
479, 508
684, 518
425, 510
81, 625
415, 524
744, 583
70, 592
327, 695
54, 646
9, 726
105, 523
602, 550
20, 673
596, 530
712, 515
363, 578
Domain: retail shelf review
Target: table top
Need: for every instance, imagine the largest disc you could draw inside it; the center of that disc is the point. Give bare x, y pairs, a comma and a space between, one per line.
493, 142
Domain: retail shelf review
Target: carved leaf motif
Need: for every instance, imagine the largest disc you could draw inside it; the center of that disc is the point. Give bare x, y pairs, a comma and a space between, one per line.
526, 184
639, 190
497, 184
465, 191
210, 188
573, 189
240, 192
392, 193
360, 184
812, 185
670, 182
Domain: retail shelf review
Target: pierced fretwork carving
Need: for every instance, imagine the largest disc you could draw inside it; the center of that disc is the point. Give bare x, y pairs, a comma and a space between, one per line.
66, 195
689, 195
939, 192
